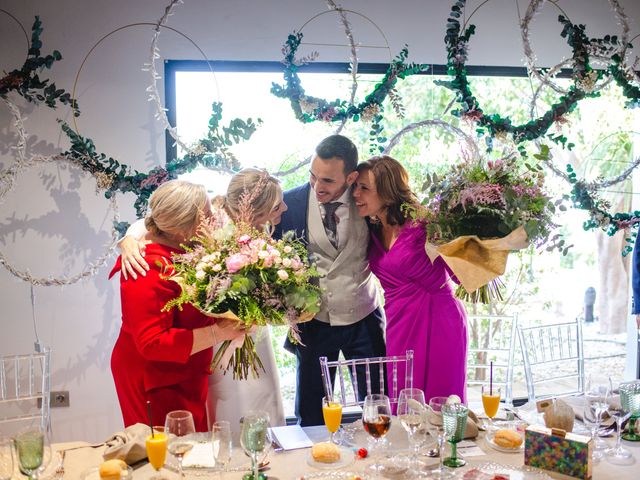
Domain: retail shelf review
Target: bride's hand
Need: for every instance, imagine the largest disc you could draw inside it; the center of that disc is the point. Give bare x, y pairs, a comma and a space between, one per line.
133, 257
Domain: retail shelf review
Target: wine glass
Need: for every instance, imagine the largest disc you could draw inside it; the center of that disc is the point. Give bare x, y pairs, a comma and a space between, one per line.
376, 418
332, 413
6, 459
33, 451
630, 400
253, 437
222, 444
491, 402
454, 419
596, 404
618, 454
178, 424
411, 412
156, 445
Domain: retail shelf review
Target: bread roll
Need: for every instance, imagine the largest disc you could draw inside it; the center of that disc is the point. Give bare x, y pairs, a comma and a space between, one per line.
507, 438
112, 469
325, 452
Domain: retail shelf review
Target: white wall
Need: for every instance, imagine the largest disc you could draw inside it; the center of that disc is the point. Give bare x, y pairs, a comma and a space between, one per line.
54, 224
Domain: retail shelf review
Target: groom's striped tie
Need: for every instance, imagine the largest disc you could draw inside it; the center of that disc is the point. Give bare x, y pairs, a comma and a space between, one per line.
330, 223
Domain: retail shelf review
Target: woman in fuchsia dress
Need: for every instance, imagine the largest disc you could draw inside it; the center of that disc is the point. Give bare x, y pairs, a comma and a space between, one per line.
422, 313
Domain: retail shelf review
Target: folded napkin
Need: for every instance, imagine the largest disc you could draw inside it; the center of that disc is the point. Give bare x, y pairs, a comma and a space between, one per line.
577, 404
129, 445
470, 430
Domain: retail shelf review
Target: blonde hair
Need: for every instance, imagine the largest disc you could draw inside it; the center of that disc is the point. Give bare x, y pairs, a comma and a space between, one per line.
251, 194
175, 208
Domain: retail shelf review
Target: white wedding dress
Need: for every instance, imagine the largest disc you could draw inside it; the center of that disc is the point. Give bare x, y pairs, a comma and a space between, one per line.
230, 399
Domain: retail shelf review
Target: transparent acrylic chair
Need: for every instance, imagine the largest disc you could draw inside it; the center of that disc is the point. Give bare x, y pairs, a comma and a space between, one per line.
553, 359
369, 369
25, 386
492, 338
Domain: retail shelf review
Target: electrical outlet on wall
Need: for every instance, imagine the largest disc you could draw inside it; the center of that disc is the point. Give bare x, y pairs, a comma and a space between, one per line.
59, 398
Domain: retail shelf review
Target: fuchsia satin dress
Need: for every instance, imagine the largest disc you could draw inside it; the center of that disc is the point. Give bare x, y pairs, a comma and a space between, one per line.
422, 313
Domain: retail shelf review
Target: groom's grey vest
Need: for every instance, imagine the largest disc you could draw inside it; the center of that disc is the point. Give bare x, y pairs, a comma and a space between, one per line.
348, 290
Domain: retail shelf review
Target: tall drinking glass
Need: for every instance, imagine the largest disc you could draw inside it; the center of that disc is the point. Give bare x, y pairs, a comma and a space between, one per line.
618, 454
454, 418
630, 400
33, 451
179, 424
491, 401
222, 444
253, 437
332, 414
596, 404
411, 412
156, 446
436, 429
376, 419
6, 459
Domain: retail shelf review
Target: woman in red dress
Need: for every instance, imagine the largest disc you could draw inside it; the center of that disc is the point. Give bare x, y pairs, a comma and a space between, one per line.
161, 356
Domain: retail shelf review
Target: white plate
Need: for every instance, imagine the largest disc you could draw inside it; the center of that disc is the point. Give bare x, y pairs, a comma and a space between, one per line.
347, 457
333, 476
93, 473
523, 472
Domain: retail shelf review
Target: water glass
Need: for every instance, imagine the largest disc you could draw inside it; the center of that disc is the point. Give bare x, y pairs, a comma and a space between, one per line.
6, 459
253, 437
222, 444
436, 429
454, 419
618, 454
33, 451
596, 405
630, 400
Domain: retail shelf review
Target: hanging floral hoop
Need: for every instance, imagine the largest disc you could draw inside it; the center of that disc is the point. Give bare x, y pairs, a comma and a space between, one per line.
92, 268
496, 125
469, 142
591, 48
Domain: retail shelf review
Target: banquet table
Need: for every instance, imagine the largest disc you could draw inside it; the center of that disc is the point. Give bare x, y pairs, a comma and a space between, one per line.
292, 464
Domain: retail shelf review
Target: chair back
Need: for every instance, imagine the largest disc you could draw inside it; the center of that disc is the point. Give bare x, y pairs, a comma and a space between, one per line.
24, 389
553, 359
369, 369
492, 339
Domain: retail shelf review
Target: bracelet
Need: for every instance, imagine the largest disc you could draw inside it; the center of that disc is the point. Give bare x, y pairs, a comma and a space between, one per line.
213, 333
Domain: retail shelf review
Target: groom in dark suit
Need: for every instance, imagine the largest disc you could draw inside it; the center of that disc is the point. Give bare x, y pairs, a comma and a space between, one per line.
322, 213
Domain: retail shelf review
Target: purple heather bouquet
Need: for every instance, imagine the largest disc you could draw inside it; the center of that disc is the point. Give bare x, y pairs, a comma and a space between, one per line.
479, 211
236, 272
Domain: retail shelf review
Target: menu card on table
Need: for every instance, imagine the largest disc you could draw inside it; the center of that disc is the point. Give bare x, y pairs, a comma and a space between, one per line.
291, 437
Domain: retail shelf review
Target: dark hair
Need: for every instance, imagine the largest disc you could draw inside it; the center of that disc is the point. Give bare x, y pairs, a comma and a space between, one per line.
341, 147
392, 186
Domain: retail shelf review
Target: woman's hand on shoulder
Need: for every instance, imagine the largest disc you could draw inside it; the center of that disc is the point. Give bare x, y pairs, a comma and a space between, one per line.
132, 255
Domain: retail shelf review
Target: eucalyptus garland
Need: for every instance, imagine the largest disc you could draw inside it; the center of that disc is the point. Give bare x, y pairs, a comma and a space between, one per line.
495, 125
211, 151
631, 91
26, 81
310, 109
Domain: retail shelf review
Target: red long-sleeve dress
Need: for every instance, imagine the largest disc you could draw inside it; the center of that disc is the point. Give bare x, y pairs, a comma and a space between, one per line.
151, 359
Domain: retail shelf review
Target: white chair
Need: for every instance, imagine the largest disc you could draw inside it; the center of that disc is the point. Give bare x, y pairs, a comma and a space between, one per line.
24, 389
492, 338
553, 359
363, 366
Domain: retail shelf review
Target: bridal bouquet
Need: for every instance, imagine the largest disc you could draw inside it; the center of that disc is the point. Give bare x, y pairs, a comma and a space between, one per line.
480, 211
234, 271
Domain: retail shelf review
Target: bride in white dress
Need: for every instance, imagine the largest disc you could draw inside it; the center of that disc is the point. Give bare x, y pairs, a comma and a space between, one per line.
230, 399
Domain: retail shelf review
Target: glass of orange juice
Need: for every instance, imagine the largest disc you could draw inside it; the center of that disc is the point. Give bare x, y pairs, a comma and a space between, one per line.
332, 413
157, 449
490, 401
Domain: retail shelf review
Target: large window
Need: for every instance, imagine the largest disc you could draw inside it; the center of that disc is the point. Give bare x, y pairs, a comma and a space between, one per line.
540, 287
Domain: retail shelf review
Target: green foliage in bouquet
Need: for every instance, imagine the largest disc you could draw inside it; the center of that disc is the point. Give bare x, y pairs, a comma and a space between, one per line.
235, 271
488, 199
